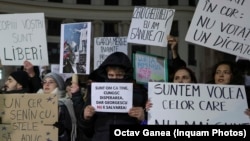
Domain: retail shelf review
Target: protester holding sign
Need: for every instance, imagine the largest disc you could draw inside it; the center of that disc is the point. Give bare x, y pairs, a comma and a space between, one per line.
17, 82
117, 67
181, 75
76, 97
53, 83
175, 62
226, 73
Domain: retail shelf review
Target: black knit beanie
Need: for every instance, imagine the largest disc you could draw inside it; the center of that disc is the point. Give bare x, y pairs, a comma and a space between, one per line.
21, 77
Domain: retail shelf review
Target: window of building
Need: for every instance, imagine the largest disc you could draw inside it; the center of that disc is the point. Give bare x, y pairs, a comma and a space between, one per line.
191, 55
111, 2
110, 29
54, 53
59, 1
138, 2
174, 32
54, 27
83, 1
140, 48
174, 29
192, 2
172, 2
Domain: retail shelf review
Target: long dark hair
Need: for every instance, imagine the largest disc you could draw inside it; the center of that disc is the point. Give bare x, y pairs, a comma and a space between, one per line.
237, 78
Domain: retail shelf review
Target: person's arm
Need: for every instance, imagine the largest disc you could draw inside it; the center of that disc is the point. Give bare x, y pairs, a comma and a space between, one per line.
175, 62
172, 41
34, 76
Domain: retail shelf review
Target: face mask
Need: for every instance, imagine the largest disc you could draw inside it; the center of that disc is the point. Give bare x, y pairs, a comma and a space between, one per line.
247, 80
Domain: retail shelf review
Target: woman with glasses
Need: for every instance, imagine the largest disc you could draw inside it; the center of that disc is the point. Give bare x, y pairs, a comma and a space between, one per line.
53, 83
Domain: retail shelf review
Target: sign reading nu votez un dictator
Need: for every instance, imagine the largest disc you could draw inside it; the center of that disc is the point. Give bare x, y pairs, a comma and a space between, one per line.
222, 25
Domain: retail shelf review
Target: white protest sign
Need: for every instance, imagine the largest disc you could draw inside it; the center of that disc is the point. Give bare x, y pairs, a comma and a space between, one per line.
26, 117
150, 26
104, 46
222, 25
197, 104
23, 37
112, 97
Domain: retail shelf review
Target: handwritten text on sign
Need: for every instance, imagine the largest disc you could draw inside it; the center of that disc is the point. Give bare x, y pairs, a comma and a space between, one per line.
112, 97
179, 103
222, 25
23, 38
28, 117
150, 26
104, 46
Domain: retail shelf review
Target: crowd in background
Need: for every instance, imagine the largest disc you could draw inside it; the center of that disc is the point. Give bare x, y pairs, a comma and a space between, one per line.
78, 119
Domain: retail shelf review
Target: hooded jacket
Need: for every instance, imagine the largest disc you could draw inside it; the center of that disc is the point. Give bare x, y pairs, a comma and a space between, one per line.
115, 59
101, 121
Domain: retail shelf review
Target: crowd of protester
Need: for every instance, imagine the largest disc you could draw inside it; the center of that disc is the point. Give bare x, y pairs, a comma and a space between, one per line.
78, 119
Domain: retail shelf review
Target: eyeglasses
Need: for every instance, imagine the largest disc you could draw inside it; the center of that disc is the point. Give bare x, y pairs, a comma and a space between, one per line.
48, 82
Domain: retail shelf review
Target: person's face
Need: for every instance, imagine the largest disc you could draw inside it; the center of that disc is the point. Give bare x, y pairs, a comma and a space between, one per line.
49, 85
223, 74
11, 84
27, 65
182, 76
115, 73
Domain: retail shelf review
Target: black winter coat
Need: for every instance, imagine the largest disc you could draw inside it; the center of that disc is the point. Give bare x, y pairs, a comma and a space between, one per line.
101, 121
78, 104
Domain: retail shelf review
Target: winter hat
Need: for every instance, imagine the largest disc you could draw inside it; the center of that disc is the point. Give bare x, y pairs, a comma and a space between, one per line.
58, 79
21, 77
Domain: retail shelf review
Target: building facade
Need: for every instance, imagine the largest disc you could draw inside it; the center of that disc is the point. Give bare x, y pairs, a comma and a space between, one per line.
112, 18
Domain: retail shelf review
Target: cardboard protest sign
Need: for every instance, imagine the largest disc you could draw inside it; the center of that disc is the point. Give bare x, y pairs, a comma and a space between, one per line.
222, 25
27, 117
104, 46
23, 37
149, 68
112, 97
75, 48
197, 104
150, 26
